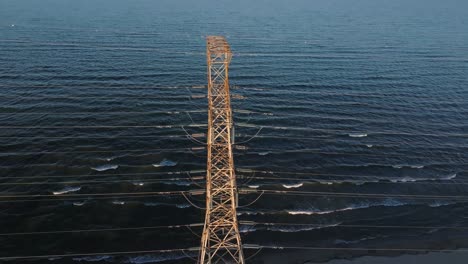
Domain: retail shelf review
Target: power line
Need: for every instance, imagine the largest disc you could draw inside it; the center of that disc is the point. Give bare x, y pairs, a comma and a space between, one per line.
378, 180
117, 126
317, 151
100, 230
105, 175
94, 194
106, 112
94, 151
356, 195
97, 97
99, 254
358, 226
135, 181
349, 132
86, 199
356, 249
305, 173
90, 137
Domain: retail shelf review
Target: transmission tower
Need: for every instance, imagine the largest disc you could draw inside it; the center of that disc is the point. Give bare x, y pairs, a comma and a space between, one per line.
221, 241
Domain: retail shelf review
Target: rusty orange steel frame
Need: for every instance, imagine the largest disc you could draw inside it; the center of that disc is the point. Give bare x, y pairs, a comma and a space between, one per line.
221, 242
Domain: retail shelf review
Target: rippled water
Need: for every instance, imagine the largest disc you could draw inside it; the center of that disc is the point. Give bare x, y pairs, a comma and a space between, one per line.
352, 97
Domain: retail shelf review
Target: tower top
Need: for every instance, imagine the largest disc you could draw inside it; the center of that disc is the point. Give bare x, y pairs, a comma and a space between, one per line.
218, 45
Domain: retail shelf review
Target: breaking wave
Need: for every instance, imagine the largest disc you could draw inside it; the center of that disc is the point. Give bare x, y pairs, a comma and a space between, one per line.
356, 206
357, 135
165, 163
408, 166
105, 167
410, 179
291, 186
67, 190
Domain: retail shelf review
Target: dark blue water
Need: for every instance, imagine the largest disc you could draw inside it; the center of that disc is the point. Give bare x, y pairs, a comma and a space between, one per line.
353, 97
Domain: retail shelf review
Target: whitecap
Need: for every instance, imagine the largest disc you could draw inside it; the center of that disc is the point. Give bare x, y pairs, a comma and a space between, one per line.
182, 206
290, 186
108, 158
67, 190
357, 135
118, 202
105, 167
264, 153
165, 163
400, 166
405, 179
410, 179
78, 203
138, 184
246, 229
253, 186
387, 202
439, 204
449, 177
250, 213
369, 145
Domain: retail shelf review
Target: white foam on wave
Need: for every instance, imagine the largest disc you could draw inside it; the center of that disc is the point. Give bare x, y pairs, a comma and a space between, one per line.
118, 202
138, 183
263, 153
388, 202
357, 135
182, 206
291, 186
165, 163
401, 166
315, 211
78, 203
440, 203
410, 179
253, 186
369, 145
105, 167
450, 176
67, 190
107, 159
341, 241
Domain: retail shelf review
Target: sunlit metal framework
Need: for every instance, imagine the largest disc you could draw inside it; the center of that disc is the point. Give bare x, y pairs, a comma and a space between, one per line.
221, 241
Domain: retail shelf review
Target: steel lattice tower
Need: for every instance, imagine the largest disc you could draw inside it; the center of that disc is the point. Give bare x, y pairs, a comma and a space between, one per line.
221, 241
